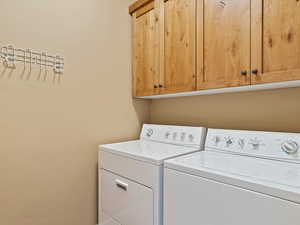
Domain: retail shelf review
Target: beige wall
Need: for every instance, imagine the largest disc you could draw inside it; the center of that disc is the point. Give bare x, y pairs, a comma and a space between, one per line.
274, 110
49, 133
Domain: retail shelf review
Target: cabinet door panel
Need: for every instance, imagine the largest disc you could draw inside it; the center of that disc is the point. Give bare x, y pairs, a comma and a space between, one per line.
226, 44
277, 58
179, 44
145, 74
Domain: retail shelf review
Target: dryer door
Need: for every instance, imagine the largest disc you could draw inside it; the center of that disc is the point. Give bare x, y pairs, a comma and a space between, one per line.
127, 202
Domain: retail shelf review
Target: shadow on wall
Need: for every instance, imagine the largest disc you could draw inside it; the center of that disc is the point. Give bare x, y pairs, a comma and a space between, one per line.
139, 107
33, 74
272, 110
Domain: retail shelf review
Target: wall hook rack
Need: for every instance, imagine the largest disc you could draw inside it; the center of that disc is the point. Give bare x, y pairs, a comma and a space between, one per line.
10, 55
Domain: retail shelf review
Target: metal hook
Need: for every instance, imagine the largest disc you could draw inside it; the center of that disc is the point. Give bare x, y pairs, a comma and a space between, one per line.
40, 72
2, 56
29, 51
223, 4
55, 66
5, 57
11, 57
24, 61
45, 65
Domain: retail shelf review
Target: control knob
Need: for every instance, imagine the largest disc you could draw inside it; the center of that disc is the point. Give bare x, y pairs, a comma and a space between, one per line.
174, 136
256, 143
182, 137
149, 132
191, 138
229, 141
167, 135
241, 143
290, 147
216, 140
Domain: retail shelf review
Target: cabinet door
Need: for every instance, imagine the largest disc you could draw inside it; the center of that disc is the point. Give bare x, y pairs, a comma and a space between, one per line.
276, 40
226, 44
179, 46
145, 73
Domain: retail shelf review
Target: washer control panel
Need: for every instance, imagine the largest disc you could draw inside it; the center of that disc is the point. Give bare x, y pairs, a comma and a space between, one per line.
256, 143
179, 135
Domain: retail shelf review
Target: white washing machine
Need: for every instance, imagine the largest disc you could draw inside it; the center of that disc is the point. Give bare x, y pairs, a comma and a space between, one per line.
131, 173
242, 178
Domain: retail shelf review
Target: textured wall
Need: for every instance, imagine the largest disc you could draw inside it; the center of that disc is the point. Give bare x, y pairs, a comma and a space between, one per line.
49, 132
273, 110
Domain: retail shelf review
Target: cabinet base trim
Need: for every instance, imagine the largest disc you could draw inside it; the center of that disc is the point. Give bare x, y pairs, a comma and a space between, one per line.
269, 86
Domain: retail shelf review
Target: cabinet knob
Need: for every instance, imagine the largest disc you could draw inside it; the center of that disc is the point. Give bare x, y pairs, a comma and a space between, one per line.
244, 73
255, 71
160, 86
155, 86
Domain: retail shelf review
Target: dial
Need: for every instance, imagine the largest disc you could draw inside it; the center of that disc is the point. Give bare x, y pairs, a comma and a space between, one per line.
241, 143
167, 135
174, 136
256, 143
229, 141
191, 138
149, 132
290, 147
182, 136
216, 140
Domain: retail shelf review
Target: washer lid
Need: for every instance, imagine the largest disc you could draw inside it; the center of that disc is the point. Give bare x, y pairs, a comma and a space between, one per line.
148, 151
271, 177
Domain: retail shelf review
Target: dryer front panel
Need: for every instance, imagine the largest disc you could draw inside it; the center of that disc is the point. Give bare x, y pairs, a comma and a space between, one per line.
127, 202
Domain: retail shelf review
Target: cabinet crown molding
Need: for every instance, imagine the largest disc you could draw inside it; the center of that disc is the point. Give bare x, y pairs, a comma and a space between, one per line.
137, 5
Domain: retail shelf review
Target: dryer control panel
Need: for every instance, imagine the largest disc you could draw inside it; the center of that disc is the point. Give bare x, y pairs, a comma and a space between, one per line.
285, 146
178, 135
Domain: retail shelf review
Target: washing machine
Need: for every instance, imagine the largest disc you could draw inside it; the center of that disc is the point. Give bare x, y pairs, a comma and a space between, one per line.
241, 178
131, 173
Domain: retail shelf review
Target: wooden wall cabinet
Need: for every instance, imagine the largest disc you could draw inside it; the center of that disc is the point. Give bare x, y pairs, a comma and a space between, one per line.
275, 41
145, 44
225, 46
164, 46
179, 55
188, 45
